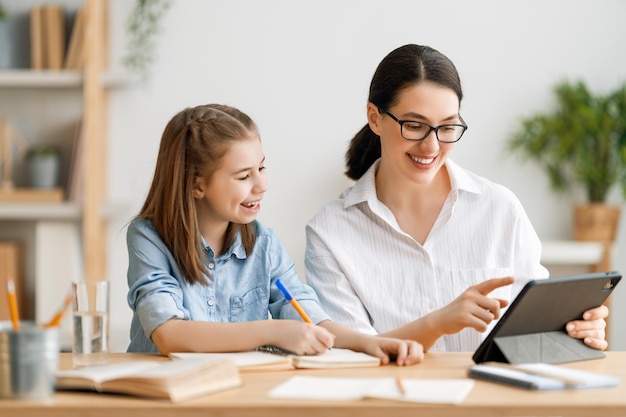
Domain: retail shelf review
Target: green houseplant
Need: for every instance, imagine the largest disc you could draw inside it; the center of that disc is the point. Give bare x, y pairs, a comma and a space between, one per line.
582, 143
142, 27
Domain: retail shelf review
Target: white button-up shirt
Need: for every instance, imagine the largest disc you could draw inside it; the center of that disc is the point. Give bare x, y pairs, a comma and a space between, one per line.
373, 277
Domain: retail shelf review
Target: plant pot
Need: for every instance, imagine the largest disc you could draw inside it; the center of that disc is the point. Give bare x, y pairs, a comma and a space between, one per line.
596, 222
44, 170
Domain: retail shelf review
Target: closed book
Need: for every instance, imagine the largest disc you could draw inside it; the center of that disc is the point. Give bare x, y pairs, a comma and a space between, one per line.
54, 35
37, 59
75, 49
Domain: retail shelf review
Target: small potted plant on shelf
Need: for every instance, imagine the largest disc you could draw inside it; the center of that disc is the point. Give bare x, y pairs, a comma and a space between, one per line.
582, 143
43, 166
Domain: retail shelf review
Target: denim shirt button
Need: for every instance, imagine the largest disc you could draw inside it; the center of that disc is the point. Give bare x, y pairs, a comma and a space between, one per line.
211, 302
211, 265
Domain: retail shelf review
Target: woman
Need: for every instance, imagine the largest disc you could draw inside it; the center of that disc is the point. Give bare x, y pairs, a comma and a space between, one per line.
420, 248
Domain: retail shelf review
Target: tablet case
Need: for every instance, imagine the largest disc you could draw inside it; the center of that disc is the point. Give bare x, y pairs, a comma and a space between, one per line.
533, 327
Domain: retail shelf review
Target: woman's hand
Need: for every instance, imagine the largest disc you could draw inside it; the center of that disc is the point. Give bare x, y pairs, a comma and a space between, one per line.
474, 308
300, 338
592, 328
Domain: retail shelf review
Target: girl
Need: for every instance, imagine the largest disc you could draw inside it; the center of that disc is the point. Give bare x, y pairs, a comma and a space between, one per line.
202, 271
416, 228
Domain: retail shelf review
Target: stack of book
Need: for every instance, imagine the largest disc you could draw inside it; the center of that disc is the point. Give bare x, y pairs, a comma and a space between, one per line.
49, 46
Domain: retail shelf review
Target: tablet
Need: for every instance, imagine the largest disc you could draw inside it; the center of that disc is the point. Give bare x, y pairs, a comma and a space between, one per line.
533, 327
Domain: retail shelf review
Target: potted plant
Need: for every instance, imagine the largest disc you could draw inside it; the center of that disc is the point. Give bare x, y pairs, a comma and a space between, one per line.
582, 143
43, 166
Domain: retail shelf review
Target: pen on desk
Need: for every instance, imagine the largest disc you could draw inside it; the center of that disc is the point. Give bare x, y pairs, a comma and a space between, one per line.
12, 298
293, 302
400, 385
56, 319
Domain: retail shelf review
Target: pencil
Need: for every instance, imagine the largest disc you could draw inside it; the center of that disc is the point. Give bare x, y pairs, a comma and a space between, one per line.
293, 302
400, 385
12, 298
56, 319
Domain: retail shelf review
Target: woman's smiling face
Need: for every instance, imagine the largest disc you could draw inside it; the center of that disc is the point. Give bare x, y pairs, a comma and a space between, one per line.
418, 161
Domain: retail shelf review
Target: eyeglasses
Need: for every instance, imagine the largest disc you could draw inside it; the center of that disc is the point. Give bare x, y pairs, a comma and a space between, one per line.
412, 130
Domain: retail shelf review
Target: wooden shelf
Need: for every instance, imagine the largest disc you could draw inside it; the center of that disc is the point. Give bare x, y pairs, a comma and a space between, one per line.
26, 78
40, 211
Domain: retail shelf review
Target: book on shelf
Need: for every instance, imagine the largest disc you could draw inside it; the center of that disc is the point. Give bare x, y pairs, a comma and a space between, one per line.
177, 381
75, 50
37, 58
54, 35
271, 358
540, 376
31, 195
418, 390
74, 191
47, 36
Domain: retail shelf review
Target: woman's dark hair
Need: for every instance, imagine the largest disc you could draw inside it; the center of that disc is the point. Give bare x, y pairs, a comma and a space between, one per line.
192, 145
401, 68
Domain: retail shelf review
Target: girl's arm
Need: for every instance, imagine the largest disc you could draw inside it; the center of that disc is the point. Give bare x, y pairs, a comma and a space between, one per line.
178, 335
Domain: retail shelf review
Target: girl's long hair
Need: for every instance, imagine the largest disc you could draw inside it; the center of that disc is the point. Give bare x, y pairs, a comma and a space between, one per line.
193, 144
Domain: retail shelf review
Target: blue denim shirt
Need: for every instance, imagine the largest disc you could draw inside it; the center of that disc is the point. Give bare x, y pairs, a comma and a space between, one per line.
240, 288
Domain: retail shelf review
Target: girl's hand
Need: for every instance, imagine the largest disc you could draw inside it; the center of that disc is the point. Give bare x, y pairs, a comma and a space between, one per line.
301, 338
406, 352
592, 328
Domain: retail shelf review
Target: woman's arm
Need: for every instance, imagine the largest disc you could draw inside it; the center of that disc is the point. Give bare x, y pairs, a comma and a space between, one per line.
473, 308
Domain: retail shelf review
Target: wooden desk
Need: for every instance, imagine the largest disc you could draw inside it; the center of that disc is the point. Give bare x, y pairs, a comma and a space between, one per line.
486, 399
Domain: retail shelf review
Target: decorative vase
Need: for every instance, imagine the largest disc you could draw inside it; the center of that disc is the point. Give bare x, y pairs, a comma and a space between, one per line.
596, 222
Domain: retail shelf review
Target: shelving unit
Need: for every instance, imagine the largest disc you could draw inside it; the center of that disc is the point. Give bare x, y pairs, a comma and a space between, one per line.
64, 241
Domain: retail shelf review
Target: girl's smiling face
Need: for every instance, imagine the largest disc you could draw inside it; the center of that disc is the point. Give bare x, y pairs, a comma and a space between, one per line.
233, 193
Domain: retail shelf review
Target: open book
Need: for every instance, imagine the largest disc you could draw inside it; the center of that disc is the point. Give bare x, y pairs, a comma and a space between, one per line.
440, 391
174, 380
275, 359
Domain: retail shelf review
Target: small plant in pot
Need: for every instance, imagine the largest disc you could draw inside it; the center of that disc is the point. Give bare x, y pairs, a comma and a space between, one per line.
43, 166
582, 143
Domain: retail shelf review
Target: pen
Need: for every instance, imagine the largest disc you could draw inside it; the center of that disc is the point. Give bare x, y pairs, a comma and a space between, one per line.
400, 385
56, 319
15, 316
293, 301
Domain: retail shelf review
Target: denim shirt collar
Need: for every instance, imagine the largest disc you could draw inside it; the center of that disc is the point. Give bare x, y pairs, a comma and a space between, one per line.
236, 249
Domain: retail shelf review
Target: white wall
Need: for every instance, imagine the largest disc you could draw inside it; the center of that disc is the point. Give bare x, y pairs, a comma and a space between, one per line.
302, 71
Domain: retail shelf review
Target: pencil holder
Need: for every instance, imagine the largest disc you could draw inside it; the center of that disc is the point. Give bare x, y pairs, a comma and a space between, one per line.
28, 361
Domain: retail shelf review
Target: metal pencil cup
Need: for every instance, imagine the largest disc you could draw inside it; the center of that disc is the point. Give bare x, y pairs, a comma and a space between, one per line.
28, 361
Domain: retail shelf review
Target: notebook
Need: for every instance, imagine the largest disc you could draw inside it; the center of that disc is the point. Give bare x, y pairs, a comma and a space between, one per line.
270, 358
